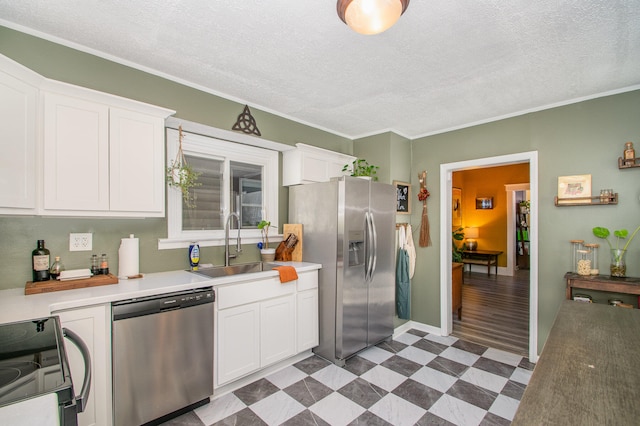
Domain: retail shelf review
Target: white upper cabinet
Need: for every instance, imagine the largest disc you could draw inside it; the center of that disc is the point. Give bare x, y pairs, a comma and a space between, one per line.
18, 162
136, 147
308, 164
76, 154
73, 151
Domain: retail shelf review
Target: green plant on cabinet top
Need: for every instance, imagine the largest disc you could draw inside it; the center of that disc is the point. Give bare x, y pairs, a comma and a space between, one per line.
360, 167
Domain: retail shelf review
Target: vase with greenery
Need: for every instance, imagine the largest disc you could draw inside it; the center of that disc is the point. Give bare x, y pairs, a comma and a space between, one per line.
360, 167
618, 263
180, 175
268, 255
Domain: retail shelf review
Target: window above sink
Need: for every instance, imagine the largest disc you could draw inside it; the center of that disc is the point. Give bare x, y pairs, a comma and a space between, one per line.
235, 177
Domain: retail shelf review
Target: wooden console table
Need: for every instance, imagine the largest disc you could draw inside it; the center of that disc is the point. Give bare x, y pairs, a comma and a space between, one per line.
588, 371
626, 285
481, 257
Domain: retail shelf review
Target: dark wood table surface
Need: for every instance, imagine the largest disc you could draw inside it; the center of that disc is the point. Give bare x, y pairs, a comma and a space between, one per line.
589, 370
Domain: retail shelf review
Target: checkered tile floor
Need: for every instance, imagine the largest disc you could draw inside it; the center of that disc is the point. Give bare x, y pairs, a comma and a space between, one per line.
416, 379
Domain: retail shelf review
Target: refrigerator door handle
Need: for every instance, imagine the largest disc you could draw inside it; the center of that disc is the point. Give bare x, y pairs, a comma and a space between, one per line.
369, 248
374, 254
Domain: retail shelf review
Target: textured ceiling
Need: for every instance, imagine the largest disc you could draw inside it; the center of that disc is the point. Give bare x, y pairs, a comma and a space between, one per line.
446, 64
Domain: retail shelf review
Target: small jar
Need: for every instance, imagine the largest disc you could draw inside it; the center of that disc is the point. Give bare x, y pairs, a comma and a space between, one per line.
594, 257
583, 265
575, 246
629, 154
104, 264
56, 268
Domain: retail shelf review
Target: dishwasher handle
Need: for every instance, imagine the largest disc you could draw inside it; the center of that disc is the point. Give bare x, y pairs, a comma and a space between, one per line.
81, 401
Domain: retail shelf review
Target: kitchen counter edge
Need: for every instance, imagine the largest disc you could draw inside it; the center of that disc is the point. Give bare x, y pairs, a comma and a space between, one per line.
16, 306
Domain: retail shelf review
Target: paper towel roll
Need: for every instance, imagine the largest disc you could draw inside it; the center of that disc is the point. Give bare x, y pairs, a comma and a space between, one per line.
128, 257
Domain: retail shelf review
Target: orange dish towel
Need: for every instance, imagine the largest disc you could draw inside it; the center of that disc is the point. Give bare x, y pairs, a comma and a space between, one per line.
287, 273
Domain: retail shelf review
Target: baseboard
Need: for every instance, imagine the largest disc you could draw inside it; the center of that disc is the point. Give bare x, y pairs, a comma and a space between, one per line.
418, 326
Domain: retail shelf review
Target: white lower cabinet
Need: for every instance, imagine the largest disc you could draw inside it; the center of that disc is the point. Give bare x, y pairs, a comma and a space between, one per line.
259, 323
92, 324
238, 342
307, 320
277, 329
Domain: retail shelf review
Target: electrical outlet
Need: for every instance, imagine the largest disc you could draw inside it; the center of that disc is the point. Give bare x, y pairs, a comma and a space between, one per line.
81, 242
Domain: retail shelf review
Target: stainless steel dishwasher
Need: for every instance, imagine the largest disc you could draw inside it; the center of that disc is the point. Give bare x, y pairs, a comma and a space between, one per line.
162, 356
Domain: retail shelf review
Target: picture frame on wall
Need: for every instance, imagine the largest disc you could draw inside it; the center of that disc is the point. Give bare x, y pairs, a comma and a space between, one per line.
456, 207
574, 189
403, 197
484, 203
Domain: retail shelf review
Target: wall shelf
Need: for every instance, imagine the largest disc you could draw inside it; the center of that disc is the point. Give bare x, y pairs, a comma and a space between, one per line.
587, 201
622, 165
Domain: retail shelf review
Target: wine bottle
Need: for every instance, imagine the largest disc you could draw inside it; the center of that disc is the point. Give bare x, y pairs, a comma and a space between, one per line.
40, 262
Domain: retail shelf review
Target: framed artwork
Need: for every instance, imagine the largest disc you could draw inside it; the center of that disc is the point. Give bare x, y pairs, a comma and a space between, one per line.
484, 203
456, 207
574, 189
403, 197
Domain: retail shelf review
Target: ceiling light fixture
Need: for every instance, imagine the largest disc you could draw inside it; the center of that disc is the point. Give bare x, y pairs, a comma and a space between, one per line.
371, 16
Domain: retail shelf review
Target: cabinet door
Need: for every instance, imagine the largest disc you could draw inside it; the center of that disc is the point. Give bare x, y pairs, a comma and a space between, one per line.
93, 326
307, 321
238, 342
18, 145
76, 154
136, 145
277, 329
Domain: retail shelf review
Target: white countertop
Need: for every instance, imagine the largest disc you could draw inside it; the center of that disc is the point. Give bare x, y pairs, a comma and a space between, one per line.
16, 306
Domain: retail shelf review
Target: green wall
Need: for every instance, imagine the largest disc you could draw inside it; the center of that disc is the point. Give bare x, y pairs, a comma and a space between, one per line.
587, 137
583, 138
18, 235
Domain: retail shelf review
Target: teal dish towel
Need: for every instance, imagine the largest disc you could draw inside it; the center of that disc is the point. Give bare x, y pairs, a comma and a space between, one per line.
403, 286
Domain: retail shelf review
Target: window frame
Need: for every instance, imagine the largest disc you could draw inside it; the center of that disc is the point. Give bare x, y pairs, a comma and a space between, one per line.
203, 141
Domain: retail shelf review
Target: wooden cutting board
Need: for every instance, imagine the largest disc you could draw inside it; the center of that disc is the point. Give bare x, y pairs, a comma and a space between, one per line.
296, 229
55, 285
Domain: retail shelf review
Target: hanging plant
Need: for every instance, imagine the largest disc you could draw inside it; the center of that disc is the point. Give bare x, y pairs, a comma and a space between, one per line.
180, 175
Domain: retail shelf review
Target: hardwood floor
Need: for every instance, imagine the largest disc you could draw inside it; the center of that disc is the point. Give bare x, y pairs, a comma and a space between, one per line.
495, 311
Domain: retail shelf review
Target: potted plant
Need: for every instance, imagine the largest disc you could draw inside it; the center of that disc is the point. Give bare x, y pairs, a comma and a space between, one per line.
180, 175
360, 167
456, 250
267, 254
618, 264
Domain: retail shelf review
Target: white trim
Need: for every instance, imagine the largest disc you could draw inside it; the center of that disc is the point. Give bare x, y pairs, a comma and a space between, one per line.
225, 135
446, 171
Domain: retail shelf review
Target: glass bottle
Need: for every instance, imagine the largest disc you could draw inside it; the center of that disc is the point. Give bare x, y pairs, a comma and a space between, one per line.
40, 262
593, 257
629, 154
575, 246
583, 265
95, 265
104, 264
56, 268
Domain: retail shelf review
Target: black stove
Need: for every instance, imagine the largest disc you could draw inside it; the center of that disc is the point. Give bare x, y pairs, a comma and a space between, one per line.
33, 362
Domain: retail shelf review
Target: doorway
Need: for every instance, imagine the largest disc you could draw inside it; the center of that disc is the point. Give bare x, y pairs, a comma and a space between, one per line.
446, 171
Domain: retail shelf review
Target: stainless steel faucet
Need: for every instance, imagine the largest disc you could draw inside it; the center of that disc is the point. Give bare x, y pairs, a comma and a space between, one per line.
227, 224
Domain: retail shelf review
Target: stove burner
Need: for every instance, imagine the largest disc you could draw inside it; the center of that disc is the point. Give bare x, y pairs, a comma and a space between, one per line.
10, 371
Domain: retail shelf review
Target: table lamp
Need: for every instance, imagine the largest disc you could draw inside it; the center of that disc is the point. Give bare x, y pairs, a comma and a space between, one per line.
470, 235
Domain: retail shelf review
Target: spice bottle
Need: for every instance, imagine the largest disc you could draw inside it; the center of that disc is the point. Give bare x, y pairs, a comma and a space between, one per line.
629, 154
40, 262
104, 264
95, 265
56, 268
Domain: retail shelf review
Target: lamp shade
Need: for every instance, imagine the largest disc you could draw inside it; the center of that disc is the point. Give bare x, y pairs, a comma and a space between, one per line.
371, 16
471, 232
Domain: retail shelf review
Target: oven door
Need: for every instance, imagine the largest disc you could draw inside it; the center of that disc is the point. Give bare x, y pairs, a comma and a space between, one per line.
35, 379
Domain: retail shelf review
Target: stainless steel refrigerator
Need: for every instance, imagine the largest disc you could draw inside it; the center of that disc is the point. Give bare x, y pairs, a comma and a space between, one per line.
349, 227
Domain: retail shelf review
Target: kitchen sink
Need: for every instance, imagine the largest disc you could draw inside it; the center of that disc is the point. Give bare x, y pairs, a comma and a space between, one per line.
241, 268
